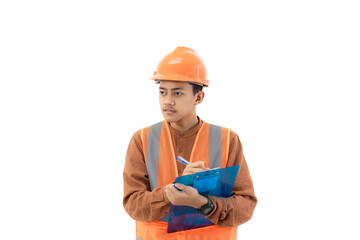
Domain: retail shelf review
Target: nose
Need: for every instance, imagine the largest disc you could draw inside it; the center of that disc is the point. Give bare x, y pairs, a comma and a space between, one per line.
169, 100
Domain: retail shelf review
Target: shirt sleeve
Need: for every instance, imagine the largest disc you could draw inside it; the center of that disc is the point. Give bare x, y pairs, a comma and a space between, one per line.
239, 208
139, 201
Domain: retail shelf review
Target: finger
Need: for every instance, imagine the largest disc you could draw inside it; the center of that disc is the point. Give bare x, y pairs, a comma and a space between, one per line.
199, 164
169, 190
181, 186
187, 189
187, 172
192, 170
173, 190
174, 195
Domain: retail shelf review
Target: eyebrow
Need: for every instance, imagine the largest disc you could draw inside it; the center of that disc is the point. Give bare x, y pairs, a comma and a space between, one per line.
173, 89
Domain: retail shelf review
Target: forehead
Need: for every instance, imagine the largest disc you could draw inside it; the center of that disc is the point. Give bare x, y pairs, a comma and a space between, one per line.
175, 85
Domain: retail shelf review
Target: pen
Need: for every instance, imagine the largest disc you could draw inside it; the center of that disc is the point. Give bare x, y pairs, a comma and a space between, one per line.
182, 160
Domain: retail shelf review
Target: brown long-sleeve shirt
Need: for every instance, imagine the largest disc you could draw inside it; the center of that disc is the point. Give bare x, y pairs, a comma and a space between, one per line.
145, 205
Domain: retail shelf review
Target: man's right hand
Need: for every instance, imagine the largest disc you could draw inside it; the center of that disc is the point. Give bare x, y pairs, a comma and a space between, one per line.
194, 168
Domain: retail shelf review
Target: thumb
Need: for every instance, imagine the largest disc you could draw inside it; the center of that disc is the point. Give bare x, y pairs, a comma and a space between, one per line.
187, 189
181, 186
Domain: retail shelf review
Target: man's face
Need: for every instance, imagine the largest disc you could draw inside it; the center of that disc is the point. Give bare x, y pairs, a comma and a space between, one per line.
177, 101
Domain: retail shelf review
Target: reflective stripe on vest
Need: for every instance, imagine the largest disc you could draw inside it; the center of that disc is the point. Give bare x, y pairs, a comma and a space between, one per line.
152, 154
211, 146
214, 146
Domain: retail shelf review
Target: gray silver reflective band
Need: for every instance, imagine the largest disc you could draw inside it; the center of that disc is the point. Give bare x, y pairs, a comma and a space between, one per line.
214, 146
152, 154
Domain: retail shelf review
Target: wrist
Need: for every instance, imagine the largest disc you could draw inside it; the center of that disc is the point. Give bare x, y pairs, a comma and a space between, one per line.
207, 208
202, 201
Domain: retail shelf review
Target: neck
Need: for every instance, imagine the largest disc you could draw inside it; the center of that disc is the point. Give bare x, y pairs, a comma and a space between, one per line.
183, 126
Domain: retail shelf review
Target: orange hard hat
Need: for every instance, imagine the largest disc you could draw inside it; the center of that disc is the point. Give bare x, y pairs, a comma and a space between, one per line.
183, 64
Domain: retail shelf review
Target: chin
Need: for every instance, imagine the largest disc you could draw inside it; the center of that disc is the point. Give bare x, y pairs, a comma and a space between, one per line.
170, 119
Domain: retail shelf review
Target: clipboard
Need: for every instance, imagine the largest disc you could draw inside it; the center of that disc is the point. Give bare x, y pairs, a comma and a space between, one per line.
215, 182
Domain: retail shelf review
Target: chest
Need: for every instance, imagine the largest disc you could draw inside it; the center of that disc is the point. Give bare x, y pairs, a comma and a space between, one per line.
182, 147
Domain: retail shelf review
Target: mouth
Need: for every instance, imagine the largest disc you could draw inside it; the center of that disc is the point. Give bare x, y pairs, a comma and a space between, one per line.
169, 111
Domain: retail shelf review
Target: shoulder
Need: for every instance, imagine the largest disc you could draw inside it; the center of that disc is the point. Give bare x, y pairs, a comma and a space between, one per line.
149, 126
233, 134
234, 137
136, 140
139, 135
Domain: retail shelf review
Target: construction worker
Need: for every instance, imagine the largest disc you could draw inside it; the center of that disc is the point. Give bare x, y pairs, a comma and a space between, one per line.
151, 166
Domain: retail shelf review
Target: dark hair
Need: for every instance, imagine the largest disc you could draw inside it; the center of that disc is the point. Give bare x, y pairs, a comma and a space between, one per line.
196, 88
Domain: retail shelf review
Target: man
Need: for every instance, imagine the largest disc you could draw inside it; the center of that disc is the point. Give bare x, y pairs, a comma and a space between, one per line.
151, 168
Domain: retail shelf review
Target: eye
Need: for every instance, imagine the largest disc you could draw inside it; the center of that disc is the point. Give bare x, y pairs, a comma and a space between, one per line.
162, 92
177, 93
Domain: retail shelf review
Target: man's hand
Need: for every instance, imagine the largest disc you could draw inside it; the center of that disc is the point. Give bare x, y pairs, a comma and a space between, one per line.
194, 168
188, 197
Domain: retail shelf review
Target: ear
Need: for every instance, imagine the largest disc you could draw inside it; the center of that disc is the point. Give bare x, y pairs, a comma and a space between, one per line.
199, 97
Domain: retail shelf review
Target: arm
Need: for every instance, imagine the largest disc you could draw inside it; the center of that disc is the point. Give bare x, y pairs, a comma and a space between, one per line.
139, 201
238, 208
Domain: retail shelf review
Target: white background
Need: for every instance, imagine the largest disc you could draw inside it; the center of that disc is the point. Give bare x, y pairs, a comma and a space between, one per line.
75, 86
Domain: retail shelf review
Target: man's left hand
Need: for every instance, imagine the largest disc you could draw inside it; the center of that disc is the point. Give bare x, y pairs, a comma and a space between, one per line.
189, 196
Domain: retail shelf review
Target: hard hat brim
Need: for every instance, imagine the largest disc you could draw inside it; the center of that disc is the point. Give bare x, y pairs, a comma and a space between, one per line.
179, 78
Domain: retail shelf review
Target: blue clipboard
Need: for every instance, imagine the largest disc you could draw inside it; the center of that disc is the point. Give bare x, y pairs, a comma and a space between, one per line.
215, 182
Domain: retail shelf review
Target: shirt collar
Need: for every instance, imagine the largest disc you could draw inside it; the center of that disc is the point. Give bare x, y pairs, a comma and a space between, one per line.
192, 131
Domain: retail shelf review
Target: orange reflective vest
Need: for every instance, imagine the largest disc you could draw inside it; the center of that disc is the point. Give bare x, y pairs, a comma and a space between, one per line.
211, 146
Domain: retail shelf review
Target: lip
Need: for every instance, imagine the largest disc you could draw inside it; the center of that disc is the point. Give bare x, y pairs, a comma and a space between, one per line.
169, 110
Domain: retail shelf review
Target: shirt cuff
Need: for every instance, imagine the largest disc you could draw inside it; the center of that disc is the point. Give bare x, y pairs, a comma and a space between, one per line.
166, 200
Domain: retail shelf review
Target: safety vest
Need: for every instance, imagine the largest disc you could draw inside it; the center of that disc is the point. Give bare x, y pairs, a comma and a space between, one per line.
211, 146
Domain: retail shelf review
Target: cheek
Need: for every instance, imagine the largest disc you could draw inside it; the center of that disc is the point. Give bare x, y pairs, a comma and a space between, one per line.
161, 100
190, 102
185, 106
